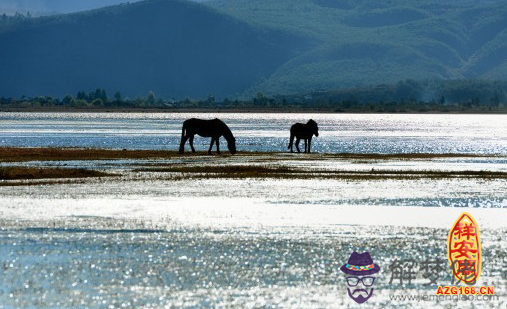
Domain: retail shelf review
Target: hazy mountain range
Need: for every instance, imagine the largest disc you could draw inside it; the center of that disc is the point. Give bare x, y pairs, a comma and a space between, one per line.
49, 7
43, 7
236, 47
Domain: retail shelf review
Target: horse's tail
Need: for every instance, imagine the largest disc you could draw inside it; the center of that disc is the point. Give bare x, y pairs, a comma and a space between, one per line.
183, 139
183, 129
291, 140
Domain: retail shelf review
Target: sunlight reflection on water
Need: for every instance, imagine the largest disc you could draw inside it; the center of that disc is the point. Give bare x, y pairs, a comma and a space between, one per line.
262, 132
145, 241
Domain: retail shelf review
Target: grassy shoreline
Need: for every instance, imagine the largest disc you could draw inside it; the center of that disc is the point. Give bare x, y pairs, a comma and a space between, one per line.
20, 154
245, 165
28, 173
17, 154
251, 171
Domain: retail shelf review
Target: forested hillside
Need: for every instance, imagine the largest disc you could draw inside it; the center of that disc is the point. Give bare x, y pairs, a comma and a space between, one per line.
367, 42
238, 48
46, 7
173, 48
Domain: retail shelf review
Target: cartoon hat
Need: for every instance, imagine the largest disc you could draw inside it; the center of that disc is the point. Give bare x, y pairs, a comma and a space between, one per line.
360, 265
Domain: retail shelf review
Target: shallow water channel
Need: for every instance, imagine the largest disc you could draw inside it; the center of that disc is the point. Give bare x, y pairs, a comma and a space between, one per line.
155, 238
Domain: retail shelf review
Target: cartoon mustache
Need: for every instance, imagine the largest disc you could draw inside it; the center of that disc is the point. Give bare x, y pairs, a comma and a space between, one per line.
360, 298
359, 290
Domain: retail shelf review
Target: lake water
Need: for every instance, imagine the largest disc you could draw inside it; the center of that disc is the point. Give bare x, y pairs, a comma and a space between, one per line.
146, 240
339, 133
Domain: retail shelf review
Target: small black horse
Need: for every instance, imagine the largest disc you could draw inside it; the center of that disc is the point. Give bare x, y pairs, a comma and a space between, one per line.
214, 128
303, 131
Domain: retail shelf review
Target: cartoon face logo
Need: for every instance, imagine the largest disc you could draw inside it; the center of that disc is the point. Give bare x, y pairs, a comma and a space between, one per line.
360, 268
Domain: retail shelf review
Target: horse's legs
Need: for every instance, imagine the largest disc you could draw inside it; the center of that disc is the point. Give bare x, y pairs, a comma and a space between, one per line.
309, 144
218, 144
306, 145
291, 141
211, 145
191, 142
182, 143
297, 144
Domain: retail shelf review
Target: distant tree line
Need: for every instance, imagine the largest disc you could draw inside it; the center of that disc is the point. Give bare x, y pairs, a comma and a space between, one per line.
414, 96
405, 96
7, 21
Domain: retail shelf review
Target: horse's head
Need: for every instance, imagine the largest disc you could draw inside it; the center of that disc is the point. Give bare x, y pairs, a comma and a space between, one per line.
314, 127
226, 132
231, 144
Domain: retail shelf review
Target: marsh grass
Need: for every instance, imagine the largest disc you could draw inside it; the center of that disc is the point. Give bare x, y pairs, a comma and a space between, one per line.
223, 169
14, 154
254, 171
28, 173
11, 154
200, 165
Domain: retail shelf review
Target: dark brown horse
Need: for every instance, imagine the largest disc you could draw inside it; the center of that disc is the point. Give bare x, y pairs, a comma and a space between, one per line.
303, 131
214, 128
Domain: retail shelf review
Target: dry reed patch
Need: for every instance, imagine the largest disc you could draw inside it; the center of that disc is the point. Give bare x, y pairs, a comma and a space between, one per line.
17, 154
12, 154
28, 173
283, 172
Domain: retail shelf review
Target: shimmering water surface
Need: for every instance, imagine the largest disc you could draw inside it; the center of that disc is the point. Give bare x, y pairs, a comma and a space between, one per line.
150, 240
382, 133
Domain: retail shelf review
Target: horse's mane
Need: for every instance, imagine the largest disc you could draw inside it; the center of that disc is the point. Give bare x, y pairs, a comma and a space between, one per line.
228, 133
311, 122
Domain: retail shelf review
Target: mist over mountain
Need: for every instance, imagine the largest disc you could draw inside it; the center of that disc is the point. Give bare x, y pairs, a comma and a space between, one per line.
241, 47
173, 48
